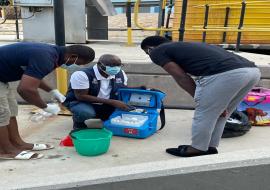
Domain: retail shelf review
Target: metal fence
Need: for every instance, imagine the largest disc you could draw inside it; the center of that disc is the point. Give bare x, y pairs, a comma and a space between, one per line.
10, 23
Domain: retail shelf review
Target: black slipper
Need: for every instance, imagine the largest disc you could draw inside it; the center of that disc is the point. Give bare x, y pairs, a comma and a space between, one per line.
211, 150
182, 151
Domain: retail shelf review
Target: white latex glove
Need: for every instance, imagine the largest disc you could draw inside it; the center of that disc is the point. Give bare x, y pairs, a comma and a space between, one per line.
57, 95
52, 108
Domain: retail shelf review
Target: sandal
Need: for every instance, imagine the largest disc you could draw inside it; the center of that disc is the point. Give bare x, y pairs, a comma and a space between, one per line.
182, 151
40, 147
24, 155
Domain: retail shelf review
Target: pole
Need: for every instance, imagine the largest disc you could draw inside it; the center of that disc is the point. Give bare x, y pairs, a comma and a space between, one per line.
129, 29
16, 23
170, 6
159, 16
183, 20
59, 26
205, 22
163, 16
241, 22
226, 24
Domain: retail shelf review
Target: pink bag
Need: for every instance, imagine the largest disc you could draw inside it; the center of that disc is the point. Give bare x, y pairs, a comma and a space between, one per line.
257, 96
257, 106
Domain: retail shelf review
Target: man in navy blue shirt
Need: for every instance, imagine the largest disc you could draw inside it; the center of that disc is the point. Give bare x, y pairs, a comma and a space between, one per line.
223, 79
29, 63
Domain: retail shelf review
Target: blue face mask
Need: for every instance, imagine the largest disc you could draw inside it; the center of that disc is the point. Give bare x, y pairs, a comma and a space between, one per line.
112, 70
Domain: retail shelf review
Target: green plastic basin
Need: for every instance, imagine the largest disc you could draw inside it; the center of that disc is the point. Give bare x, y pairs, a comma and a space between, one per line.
91, 142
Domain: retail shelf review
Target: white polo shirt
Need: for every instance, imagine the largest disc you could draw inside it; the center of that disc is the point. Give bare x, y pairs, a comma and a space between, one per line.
79, 81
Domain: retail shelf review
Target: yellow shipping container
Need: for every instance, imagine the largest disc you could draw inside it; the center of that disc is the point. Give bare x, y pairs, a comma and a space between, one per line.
257, 16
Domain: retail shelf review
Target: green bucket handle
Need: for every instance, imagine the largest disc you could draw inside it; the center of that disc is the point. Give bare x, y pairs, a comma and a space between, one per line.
76, 130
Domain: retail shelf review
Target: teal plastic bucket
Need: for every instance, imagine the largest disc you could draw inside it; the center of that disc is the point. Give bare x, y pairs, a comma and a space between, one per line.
91, 142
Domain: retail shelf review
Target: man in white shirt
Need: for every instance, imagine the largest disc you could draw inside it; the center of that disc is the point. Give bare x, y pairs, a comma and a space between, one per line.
92, 91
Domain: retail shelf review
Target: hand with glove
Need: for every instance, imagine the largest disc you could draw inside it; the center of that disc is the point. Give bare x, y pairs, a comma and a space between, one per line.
52, 108
57, 95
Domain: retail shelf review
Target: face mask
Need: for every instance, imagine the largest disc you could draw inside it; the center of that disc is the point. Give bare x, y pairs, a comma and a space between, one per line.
70, 67
111, 70
73, 66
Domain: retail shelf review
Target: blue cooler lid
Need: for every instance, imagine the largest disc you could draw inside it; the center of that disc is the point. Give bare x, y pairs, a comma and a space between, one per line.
141, 98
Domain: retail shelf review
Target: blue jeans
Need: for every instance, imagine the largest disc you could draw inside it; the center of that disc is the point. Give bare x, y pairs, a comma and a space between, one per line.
83, 111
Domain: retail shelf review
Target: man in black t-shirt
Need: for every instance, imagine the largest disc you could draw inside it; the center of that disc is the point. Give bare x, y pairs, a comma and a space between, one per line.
29, 63
223, 79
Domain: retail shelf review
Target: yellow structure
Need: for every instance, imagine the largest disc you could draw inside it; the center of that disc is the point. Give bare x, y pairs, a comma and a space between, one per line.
62, 78
256, 28
3, 13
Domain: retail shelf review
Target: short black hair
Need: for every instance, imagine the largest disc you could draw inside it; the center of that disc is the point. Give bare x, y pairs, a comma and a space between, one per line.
109, 59
84, 52
153, 41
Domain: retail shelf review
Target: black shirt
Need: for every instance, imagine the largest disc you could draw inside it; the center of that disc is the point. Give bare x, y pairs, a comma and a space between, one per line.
198, 59
32, 59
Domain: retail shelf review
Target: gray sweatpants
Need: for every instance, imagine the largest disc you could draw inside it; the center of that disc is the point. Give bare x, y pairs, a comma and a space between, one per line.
213, 95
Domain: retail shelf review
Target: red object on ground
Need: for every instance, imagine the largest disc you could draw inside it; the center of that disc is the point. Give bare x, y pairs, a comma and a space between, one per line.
67, 141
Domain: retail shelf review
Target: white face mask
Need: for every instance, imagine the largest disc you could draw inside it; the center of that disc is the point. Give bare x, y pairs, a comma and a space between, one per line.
73, 66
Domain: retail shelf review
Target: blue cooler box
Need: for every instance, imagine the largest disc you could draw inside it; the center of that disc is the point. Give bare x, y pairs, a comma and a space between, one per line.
142, 121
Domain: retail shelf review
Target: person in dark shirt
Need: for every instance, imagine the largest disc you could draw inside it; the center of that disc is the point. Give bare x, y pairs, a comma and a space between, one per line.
29, 63
223, 79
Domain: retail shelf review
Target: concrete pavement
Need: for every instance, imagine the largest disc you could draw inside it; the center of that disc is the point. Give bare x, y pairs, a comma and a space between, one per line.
127, 159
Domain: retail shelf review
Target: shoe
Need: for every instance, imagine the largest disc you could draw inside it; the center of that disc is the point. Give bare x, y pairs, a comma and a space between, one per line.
182, 151
212, 150
25, 155
39, 147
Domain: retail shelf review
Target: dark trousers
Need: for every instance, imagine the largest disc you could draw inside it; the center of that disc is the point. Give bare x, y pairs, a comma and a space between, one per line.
83, 111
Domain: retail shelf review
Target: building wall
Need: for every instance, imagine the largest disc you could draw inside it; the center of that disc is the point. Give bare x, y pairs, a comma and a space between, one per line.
41, 26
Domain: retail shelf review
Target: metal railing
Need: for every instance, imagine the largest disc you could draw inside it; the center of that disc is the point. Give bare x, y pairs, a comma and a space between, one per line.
226, 29
164, 27
129, 29
227, 4
7, 21
137, 24
205, 28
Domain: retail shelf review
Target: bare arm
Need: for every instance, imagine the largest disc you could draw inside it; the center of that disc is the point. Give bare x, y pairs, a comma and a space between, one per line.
182, 79
82, 95
28, 91
45, 86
